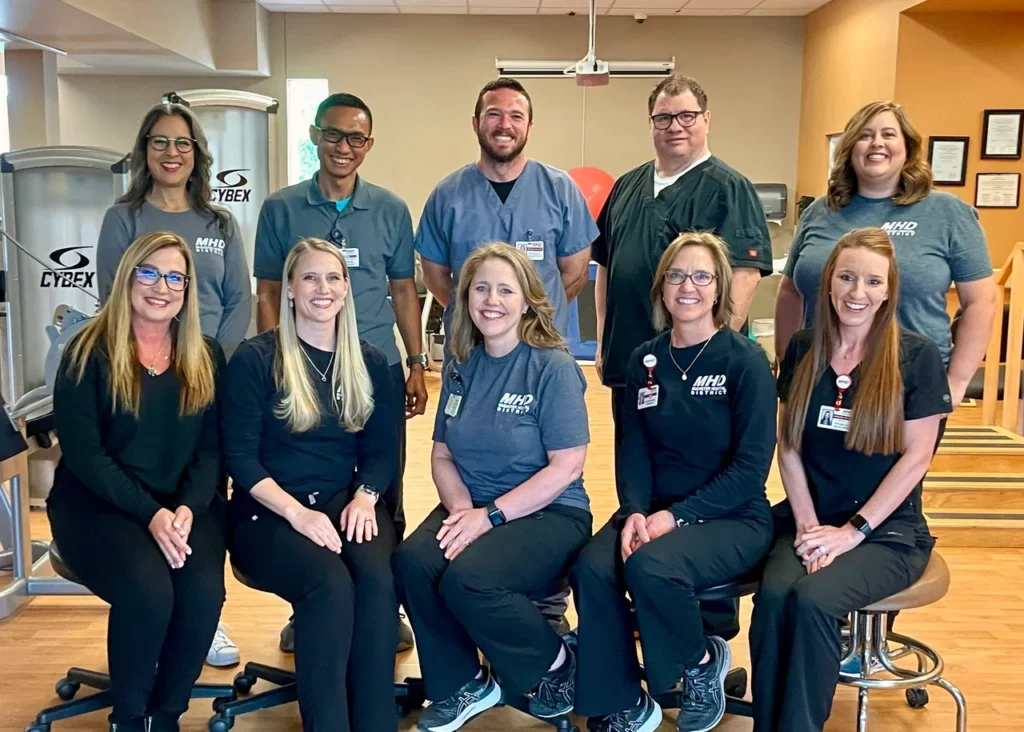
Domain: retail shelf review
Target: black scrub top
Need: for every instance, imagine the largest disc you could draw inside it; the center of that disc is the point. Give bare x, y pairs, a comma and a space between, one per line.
635, 229
840, 480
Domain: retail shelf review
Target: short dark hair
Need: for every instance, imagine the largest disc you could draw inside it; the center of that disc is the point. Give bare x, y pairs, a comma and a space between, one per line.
343, 100
675, 85
502, 83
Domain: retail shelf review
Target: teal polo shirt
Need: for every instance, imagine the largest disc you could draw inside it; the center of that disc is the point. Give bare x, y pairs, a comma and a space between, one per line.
376, 223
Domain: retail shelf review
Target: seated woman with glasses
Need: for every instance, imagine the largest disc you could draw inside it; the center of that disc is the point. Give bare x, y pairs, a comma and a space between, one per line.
309, 438
851, 531
698, 436
134, 507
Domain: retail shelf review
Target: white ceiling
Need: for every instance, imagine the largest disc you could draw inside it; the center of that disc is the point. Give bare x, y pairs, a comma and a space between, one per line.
548, 7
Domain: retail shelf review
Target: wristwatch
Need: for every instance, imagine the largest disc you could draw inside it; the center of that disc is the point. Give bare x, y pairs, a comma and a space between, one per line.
419, 358
369, 491
861, 524
495, 515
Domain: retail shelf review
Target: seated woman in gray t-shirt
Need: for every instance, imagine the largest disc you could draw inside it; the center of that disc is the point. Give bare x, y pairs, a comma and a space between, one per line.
170, 191
509, 446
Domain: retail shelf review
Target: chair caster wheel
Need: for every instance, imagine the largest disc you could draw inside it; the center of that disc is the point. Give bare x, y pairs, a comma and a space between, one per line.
243, 684
917, 698
38, 728
220, 724
66, 689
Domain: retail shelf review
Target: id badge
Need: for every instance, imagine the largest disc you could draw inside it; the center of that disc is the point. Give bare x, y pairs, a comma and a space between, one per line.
534, 249
647, 397
830, 418
351, 255
452, 407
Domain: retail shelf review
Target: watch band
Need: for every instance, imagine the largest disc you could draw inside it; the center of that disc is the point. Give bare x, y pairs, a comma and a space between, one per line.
419, 358
367, 489
861, 524
495, 514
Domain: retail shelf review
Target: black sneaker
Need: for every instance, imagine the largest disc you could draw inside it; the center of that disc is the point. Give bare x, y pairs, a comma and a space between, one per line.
405, 639
163, 722
703, 704
472, 699
644, 717
556, 693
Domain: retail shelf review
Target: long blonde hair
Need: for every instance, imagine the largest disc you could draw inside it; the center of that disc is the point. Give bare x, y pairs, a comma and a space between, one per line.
536, 327
351, 386
915, 178
111, 331
876, 425
721, 311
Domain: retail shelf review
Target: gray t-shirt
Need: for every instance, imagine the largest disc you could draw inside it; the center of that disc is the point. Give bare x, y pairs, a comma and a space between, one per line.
223, 284
938, 241
514, 409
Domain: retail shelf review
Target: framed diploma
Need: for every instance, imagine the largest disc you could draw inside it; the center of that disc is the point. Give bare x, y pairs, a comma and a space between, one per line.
948, 158
1001, 136
997, 190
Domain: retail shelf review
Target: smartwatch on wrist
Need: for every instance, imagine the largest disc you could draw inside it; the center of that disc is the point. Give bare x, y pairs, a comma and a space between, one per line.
861, 524
419, 358
369, 491
495, 514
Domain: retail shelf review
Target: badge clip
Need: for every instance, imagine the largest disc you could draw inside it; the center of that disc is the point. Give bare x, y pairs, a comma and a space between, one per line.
650, 361
843, 383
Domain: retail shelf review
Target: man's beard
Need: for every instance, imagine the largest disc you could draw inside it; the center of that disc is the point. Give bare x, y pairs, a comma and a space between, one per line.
494, 155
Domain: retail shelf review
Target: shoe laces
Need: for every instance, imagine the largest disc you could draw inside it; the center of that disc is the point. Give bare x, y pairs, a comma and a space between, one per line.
552, 691
695, 689
220, 638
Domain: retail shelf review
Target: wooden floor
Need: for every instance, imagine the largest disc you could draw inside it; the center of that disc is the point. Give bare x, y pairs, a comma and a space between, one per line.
978, 627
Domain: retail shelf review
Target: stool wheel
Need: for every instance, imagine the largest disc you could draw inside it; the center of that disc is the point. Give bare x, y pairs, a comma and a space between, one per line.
917, 698
221, 724
66, 689
243, 683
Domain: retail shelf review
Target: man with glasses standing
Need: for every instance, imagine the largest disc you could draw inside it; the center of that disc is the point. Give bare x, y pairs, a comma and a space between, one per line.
685, 188
373, 229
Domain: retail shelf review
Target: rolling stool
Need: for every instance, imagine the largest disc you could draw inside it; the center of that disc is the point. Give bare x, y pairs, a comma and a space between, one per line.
76, 677
408, 695
869, 638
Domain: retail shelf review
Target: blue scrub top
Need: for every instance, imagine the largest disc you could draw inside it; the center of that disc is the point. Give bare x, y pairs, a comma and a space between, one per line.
545, 214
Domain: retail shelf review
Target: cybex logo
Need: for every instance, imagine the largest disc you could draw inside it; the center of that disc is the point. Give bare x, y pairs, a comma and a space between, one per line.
209, 245
709, 385
515, 403
233, 187
899, 228
71, 264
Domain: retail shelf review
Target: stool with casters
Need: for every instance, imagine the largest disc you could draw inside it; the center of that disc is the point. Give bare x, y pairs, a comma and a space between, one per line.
76, 678
869, 639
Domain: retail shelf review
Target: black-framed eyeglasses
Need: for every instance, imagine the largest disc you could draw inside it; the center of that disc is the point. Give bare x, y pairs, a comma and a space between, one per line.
149, 276
685, 119
700, 278
333, 136
162, 142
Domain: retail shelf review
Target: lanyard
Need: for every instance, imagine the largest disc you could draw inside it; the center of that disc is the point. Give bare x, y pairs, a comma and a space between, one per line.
843, 383
650, 361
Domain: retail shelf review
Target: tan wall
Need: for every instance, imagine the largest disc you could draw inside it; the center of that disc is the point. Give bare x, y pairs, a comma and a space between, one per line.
422, 101
849, 60
951, 68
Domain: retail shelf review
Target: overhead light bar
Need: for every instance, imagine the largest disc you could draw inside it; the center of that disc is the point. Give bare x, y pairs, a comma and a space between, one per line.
570, 69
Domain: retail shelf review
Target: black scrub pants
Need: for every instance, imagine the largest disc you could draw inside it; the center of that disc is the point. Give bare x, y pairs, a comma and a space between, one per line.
396, 505
482, 599
162, 620
662, 577
344, 642
795, 627
720, 617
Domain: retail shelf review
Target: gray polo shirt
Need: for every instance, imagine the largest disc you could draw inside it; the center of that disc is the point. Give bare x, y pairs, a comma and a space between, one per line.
375, 232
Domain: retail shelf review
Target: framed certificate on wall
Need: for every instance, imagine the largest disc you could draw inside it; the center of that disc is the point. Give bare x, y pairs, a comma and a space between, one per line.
1001, 137
997, 190
948, 158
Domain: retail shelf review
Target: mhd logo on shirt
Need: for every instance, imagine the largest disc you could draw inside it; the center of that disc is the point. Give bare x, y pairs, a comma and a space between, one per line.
515, 403
209, 245
899, 228
709, 385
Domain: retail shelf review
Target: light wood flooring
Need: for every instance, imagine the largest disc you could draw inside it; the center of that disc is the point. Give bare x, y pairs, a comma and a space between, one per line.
978, 627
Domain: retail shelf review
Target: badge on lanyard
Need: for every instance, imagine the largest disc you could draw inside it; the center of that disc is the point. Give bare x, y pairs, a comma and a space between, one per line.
835, 417
648, 396
534, 249
451, 407
453, 404
351, 255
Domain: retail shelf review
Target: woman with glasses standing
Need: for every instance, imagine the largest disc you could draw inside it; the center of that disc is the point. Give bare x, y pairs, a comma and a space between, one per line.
698, 432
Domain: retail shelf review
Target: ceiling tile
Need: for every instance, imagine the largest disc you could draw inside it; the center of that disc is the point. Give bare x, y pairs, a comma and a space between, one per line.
713, 11
796, 4
565, 11
645, 11
534, 4
728, 4
278, 8
432, 10
574, 4
365, 9
431, 3
779, 12
672, 5
502, 11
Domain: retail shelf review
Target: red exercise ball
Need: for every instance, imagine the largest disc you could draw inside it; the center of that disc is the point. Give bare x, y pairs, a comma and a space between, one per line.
595, 185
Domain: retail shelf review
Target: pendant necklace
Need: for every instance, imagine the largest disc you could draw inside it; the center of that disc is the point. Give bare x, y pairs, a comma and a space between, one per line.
694, 358
323, 374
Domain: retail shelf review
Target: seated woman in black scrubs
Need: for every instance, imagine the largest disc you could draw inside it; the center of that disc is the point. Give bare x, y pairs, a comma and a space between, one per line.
697, 444
309, 425
134, 506
861, 401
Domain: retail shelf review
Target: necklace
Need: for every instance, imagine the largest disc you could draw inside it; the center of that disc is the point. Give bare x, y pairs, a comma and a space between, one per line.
323, 374
694, 358
151, 369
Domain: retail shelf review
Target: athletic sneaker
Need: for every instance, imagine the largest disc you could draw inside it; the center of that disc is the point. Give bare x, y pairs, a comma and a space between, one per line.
556, 692
472, 699
223, 651
644, 717
703, 697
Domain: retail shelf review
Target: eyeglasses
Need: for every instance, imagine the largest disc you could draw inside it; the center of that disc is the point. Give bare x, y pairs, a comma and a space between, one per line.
700, 278
685, 119
333, 136
149, 276
161, 142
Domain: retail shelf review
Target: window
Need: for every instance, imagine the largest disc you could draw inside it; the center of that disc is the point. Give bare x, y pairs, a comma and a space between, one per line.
304, 96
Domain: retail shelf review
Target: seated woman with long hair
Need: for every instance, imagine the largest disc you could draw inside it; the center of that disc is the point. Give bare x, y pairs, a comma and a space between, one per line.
135, 507
510, 440
861, 401
309, 426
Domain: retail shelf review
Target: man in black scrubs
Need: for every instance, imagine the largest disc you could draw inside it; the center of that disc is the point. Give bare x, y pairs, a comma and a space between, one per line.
685, 188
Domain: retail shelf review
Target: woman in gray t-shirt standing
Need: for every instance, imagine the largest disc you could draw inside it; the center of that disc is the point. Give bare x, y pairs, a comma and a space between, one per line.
170, 191
880, 178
